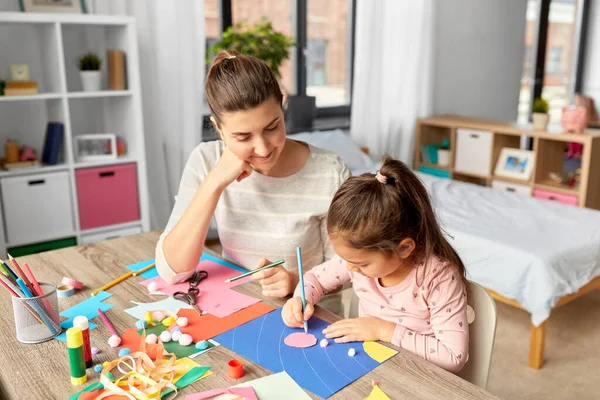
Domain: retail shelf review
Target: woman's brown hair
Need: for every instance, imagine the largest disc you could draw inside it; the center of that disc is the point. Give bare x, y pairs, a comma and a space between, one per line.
369, 214
237, 82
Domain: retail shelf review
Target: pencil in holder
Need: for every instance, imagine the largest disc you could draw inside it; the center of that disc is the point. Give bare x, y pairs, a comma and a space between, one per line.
36, 318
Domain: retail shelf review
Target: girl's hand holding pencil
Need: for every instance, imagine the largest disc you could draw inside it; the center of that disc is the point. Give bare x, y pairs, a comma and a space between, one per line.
292, 313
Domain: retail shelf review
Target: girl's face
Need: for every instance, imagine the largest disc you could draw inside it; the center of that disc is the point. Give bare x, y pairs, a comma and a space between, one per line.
256, 136
372, 263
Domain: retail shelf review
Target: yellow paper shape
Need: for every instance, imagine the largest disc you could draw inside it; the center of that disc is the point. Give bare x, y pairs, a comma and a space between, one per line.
377, 394
189, 363
378, 352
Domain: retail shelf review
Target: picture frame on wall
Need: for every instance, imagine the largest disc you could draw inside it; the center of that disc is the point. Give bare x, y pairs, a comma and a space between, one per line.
53, 6
515, 163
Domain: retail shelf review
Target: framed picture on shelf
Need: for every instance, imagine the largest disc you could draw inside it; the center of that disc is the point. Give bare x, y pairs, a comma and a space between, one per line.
95, 147
515, 163
56, 6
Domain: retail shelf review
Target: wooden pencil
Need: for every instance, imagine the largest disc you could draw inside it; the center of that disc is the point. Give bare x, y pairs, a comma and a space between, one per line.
141, 271
235, 278
20, 272
113, 283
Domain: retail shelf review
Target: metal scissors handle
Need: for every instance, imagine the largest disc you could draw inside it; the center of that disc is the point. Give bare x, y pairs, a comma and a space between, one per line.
189, 297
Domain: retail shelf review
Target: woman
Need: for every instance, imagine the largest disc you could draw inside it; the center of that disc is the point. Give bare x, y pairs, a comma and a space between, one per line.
269, 194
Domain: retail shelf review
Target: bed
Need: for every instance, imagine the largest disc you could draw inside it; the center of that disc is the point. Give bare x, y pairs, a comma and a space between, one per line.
529, 253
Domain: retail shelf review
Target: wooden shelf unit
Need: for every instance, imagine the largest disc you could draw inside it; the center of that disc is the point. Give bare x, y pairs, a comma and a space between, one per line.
548, 146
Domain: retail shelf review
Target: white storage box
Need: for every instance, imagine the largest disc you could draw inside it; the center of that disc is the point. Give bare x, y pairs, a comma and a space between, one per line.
515, 188
110, 234
37, 207
473, 152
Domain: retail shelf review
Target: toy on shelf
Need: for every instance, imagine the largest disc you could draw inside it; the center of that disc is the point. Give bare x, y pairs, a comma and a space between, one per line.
16, 156
574, 119
570, 179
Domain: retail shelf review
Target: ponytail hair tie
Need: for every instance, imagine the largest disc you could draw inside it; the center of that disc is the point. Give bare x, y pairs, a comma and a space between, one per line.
230, 57
381, 178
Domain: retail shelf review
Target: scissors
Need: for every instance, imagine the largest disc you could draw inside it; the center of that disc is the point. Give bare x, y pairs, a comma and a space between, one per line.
190, 296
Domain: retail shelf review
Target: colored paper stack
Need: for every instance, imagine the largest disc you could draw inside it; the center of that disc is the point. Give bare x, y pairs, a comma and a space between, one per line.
21, 88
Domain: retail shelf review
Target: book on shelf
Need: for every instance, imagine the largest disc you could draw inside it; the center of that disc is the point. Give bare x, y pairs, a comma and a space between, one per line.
21, 88
53, 143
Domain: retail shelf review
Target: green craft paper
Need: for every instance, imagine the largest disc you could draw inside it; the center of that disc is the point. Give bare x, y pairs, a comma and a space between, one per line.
192, 376
173, 347
90, 388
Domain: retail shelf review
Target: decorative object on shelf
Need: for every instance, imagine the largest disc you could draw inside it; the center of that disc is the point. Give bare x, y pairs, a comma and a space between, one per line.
540, 114
443, 153
574, 119
95, 147
21, 88
515, 163
53, 141
429, 153
91, 77
27, 154
115, 61
11, 151
121, 146
587, 102
17, 158
570, 179
19, 72
54, 6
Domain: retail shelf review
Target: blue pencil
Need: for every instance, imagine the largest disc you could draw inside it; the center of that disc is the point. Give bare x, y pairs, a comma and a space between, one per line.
301, 277
51, 326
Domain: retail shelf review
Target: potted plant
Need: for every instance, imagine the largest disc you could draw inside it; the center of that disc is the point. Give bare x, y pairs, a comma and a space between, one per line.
89, 67
443, 153
540, 114
2, 86
262, 41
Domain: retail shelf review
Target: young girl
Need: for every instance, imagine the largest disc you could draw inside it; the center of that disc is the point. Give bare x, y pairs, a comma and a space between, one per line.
408, 278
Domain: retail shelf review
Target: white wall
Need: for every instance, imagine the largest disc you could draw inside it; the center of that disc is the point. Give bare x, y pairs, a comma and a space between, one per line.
479, 49
590, 85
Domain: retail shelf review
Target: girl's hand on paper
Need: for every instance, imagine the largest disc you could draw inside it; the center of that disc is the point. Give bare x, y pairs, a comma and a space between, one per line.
276, 281
230, 168
292, 313
360, 330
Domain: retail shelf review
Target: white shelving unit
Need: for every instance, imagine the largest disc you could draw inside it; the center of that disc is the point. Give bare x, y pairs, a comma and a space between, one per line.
50, 44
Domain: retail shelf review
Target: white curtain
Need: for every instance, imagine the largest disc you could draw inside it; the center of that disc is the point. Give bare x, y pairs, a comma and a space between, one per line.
171, 45
393, 74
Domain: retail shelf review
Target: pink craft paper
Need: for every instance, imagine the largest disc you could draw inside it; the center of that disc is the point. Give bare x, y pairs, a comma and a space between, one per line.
216, 296
300, 340
247, 393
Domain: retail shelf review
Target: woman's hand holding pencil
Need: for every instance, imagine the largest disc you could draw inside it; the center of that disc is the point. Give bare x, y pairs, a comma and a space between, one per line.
275, 281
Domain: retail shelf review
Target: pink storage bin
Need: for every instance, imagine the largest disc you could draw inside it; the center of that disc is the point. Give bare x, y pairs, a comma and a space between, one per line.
561, 198
107, 195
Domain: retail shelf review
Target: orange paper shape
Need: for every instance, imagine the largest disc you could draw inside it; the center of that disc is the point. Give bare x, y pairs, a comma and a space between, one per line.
132, 340
208, 326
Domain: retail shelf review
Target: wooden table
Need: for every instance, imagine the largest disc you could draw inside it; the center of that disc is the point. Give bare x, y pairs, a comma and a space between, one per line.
41, 371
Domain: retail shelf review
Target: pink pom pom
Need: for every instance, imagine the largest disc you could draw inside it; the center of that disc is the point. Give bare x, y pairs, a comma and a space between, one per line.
114, 341
151, 338
182, 321
185, 339
158, 315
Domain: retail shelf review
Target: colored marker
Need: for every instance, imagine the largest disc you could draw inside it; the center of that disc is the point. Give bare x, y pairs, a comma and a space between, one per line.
82, 323
76, 357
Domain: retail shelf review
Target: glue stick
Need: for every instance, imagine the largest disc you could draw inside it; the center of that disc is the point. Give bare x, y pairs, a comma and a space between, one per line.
76, 358
82, 323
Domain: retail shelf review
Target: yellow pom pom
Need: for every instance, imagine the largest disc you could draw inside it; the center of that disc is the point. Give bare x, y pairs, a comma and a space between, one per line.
168, 321
148, 318
104, 364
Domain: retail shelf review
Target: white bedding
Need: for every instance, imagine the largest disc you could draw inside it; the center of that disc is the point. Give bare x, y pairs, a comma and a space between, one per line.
530, 250
533, 251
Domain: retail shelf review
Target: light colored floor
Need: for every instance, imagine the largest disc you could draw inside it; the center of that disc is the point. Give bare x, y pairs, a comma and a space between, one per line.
572, 356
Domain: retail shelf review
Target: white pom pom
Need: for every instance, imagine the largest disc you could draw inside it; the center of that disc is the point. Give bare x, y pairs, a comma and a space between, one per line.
114, 341
175, 336
185, 339
324, 342
182, 321
351, 352
152, 287
165, 336
151, 338
158, 315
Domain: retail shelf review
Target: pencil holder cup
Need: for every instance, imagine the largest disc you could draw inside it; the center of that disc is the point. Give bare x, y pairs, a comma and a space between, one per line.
36, 318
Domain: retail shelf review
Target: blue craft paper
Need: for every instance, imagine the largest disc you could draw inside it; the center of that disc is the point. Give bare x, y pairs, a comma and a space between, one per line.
89, 307
322, 371
151, 273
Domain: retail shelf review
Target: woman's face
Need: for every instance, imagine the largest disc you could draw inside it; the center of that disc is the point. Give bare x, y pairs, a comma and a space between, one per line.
256, 136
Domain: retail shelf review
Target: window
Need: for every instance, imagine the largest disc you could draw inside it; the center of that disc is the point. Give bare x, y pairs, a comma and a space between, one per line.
554, 61
325, 30
328, 51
